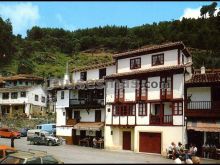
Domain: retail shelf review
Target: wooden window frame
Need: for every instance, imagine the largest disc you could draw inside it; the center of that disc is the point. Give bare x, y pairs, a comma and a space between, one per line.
36, 98
62, 95
5, 94
139, 90
141, 111
119, 88
114, 112
102, 73
171, 88
135, 63
14, 95
179, 104
157, 56
120, 111
83, 76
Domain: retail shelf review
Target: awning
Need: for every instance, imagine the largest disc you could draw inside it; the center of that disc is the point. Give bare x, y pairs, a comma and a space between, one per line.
204, 126
95, 126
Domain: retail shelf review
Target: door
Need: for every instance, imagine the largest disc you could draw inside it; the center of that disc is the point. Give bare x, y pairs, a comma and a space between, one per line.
215, 98
150, 142
82, 134
77, 116
126, 140
197, 138
166, 87
98, 116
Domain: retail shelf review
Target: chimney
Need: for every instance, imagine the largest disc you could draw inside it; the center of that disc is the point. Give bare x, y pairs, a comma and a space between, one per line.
66, 79
203, 70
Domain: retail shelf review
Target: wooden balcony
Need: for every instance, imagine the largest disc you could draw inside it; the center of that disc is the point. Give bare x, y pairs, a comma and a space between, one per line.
161, 120
85, 104
202, 109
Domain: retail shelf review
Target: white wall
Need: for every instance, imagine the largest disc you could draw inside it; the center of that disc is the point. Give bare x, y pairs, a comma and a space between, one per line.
62, 102
154, 93
170, 58
19, 100
110, 70
129, 90
93, 74
64, 131
178, 86
110, 91
199, 93
85, 117
37, 91
60, 116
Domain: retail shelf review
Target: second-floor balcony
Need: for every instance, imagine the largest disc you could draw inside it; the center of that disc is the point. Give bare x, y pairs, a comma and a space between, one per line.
85, 103
161, 120
202, 109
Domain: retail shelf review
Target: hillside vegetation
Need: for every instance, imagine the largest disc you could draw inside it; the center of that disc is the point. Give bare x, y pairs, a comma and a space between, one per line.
45, 51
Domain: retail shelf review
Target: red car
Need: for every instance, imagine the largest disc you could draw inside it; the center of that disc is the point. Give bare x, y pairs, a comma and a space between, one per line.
9, 133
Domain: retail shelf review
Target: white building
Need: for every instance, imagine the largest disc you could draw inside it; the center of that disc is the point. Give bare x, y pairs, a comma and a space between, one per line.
203, 109
80, 105
144, 98
22, 94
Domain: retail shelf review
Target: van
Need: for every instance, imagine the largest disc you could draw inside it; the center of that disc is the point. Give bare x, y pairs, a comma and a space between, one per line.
51, 128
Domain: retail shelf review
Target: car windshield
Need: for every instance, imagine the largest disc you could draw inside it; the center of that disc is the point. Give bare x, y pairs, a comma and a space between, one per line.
12, 160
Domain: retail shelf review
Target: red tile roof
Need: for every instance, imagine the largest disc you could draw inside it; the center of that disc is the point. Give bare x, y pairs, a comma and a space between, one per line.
96, 66
151, 70
155, 48
204, 78
23, 77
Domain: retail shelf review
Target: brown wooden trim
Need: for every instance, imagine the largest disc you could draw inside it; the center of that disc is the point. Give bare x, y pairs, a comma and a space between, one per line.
134, 125
152, 51
144, 104
178, 56
134, 59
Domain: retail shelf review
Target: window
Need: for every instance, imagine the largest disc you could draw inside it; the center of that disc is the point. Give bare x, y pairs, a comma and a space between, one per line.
141, 90
115, 110
124, 110
131, 110
135, 63
43, 99
119, 91
177, 108
83, 76
26, 83
142, 109
102, 73
14, 95
36, 98
15, 83
166, 88
62, 94
1, 154
5, 96
20, 82
23, 94
157, 59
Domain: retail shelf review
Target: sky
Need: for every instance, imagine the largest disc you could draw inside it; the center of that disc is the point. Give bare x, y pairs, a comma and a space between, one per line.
79, 15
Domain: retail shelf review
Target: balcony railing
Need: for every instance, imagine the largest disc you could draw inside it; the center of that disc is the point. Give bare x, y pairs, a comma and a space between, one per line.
84, 103
199, 105
203, 109
161, 120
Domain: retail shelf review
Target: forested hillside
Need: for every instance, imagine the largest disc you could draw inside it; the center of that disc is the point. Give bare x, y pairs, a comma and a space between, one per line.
45, 51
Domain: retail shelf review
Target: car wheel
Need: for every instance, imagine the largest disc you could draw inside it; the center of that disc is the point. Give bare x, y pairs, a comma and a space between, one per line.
50, 143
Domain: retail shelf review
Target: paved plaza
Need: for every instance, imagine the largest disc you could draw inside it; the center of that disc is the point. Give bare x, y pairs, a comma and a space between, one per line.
79, 154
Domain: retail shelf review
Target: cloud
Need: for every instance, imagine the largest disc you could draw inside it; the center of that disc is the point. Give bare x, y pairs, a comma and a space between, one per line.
22, 15
194, 13
64, 24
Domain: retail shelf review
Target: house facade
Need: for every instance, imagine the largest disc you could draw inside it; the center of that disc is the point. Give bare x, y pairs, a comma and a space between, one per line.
145, 98
202, 109
22, 95
80, 105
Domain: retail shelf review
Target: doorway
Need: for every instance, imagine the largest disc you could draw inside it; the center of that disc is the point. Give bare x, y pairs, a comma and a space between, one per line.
98, 116
126, 140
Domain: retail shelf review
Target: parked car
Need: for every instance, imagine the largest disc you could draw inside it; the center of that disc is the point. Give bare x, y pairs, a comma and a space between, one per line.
31, 157
9, 133
5, 151
51, 128
24, 132
37, 136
